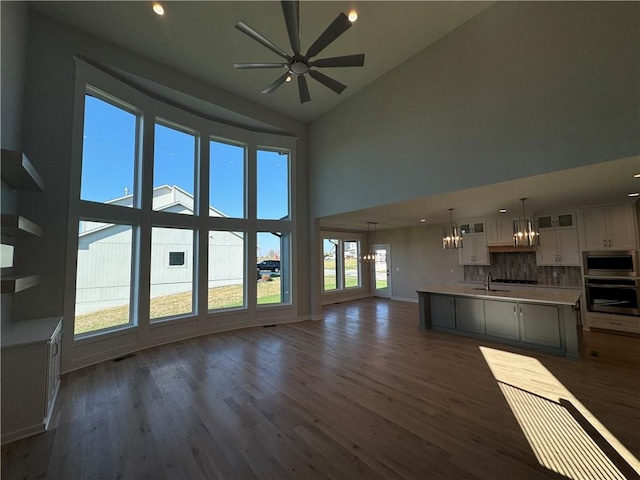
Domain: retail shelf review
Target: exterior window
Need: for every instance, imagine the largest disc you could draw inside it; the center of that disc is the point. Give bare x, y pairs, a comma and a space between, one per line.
171, 288
108, 152
226, 180
174, 171
103, 276
226, 270
273, 185
176, 259
330, 247
145, 265
351, 271
273, 262
340, 264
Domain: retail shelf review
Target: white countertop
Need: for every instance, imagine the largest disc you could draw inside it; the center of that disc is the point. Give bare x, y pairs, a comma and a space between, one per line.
26, 332
561, 296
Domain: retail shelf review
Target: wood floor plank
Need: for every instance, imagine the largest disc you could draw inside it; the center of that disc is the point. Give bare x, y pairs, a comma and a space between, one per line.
361, 394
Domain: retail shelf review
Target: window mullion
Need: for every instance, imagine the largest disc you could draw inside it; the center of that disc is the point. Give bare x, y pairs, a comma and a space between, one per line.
202, 241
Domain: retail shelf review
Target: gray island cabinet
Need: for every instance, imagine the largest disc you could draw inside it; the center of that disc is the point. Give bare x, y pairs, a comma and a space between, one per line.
542, 320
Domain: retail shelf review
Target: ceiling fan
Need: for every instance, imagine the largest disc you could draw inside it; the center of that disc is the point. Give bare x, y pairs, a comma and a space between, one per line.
298, 65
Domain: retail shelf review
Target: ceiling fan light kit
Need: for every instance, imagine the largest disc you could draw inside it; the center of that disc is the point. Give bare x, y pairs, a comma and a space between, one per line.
299, 65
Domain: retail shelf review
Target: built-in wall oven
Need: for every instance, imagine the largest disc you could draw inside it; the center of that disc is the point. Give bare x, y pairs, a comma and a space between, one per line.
610, 263
610, 295
612, 281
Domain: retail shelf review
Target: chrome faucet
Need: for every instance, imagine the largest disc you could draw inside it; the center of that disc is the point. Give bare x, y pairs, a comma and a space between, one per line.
487, 281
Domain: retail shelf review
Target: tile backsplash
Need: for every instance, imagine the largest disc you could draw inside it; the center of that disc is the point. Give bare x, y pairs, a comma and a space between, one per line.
522, 266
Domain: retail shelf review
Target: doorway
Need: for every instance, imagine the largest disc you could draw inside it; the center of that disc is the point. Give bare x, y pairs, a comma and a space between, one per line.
381, 280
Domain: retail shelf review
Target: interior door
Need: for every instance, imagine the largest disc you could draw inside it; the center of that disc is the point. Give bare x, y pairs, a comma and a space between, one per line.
381, 272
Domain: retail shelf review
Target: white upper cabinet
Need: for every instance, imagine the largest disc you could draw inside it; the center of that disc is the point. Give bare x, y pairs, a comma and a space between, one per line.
610, 227
558, 240
474, 249
499, 231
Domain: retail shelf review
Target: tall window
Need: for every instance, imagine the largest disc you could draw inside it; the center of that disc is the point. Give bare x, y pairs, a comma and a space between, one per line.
226, 179
103, 279
181, 249
340, 264
108, 151
273, 185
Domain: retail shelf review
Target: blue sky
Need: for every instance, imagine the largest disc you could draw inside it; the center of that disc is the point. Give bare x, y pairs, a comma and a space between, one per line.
109, 156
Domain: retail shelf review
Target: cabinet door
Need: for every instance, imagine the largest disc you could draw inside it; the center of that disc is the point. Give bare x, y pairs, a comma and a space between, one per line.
466, 253
621, 227
547, 251
469, 315
505, 231
568, 251
593, 229
539, 324
565, 220
481, 252
443, 311
501, 319
493, 235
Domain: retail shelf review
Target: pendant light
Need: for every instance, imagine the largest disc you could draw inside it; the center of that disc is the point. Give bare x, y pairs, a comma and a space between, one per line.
371, 256
524, 232
451, 239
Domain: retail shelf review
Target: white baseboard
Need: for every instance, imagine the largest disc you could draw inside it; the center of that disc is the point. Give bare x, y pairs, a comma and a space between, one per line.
22, 433
315, 318
405, 299
330, 299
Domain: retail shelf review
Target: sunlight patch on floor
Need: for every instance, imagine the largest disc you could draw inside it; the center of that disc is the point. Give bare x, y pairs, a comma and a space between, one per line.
557, 439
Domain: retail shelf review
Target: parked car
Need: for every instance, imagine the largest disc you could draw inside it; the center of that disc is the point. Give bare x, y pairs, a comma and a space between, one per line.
271, 265
259, 274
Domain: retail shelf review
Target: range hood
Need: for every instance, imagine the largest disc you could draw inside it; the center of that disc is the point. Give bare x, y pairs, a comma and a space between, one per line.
509, 249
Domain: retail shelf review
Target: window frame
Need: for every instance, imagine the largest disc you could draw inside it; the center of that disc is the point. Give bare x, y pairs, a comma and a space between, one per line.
341, 238
143, 218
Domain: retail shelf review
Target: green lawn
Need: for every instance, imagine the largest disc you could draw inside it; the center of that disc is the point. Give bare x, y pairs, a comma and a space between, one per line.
350, 264
171, 305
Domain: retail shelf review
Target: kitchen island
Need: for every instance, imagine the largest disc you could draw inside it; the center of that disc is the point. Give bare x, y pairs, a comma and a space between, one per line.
546, 320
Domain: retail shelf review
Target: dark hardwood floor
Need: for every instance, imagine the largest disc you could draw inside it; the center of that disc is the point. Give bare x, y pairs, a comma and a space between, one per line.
361, 394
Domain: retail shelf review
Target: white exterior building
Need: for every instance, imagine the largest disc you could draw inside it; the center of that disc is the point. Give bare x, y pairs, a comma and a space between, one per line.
104, 256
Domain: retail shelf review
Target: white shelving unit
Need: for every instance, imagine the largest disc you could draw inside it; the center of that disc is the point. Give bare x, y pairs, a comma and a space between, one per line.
30, 360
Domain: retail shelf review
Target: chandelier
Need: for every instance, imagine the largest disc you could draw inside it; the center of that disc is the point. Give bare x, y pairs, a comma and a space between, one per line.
524, 232
369, 257
451, 239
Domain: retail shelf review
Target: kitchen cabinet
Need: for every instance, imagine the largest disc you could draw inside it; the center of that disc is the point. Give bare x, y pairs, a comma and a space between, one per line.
474, 250
467, 227
469, 315
609, 227
558, 240
30, 375
539, 324
502, 319
500, 231
443, 311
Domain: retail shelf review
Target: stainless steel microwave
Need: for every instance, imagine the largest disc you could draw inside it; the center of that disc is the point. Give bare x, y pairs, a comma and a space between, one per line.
610, 263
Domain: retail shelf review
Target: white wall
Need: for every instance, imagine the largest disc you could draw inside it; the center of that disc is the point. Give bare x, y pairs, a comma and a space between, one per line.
521, 89
417, 258
47, 123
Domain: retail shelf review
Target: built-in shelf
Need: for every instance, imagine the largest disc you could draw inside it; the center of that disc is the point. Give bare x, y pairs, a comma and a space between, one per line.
17, 225
18, 172
17, 283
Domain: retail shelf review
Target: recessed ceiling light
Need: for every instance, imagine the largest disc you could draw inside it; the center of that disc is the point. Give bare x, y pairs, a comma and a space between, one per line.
288, 79
503, 210
158, 9
353, 16
423, 220
635, 194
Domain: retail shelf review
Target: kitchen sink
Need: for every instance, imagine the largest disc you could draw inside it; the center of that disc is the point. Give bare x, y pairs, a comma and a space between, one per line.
490, 290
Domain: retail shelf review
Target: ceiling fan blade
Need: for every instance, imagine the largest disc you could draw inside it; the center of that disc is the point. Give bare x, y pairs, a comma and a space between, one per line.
280, 80
346, 61
333, 31
328, 82
304, 89
290, 10
247, 30
245, 66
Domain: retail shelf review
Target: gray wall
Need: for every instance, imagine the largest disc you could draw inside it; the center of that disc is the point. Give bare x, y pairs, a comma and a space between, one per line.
14, 19
13, 48
521, 89
47, 124
417, 258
